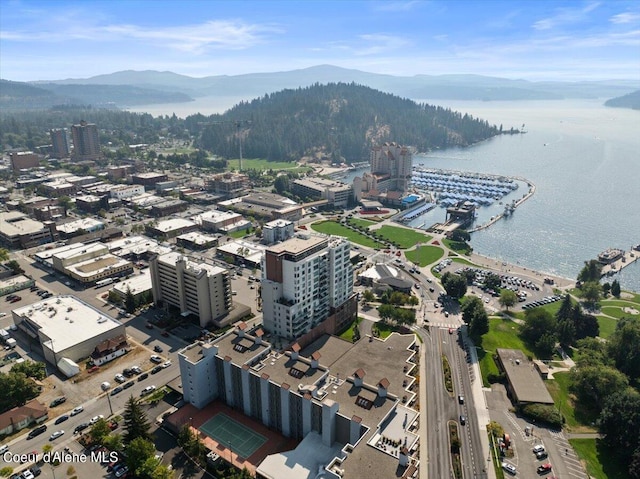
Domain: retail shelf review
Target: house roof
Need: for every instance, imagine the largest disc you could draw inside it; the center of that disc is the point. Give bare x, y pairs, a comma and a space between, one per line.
33, 409
109, 345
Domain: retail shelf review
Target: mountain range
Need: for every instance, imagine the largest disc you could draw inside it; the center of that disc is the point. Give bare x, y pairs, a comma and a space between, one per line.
127, 88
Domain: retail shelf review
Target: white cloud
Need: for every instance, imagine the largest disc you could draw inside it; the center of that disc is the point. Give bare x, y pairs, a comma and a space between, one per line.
627, 17
565, 16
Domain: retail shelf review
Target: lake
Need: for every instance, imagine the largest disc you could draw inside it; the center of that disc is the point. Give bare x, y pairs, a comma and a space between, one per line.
583, 158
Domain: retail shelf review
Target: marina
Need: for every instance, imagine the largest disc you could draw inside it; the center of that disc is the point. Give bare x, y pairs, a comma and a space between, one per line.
617, 259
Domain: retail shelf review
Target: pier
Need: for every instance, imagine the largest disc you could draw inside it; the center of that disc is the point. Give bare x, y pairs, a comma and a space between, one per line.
628, 257
532, 190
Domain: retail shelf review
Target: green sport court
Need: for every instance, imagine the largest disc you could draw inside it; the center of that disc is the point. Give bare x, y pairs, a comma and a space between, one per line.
233, 435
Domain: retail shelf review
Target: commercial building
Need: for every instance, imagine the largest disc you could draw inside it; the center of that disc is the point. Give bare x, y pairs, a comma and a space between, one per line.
59, 143
19, 231
86, 143
123, 192
228, 185
223, 221
57, 188
277, 230
79, 226
168, 207
172, 228
118, 172
265, 205
89, 263
242, 252
197, 241
149, 179
137, 284
524, 384
194, 288
305, 280
23, 160
66, 327
391, 168
136, 247
336, 193
11, 284
348, 404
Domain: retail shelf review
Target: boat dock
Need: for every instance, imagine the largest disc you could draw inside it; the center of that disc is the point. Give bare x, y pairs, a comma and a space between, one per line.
627, 258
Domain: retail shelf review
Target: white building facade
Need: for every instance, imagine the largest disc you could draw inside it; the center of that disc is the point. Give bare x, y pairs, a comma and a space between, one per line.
303, 279
197, 288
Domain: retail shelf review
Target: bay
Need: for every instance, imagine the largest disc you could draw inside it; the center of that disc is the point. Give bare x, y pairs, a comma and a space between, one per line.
583, 158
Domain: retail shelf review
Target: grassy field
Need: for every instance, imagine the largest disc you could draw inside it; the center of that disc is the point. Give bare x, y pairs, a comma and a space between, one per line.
425, 255
348, 333
464, 261
457, 246
617, 312
238, 234
577, 420
360, 222
404, 237
503, 333
384, 330
334, 228
261, 164
601, 464
607, 326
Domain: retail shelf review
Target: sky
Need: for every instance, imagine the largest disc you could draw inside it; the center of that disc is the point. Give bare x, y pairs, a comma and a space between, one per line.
532, 40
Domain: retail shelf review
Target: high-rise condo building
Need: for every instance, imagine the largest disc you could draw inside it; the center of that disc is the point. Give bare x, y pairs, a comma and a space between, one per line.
306, 280
59, 143
197, 288
86, 144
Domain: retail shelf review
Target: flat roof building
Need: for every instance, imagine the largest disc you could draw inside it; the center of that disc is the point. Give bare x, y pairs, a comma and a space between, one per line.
17, 230
524, 382
340, 399
66, 327
305, 279
172, 228
24, 160
194, 288
337, 194
277, 230
222, 221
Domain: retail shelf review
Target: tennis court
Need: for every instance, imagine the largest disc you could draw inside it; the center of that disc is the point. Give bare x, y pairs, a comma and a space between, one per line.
233, 435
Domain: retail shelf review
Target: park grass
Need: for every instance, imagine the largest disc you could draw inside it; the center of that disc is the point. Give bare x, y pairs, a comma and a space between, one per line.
334, 228
617, 312
425, 255
503, 333
348, 333
601, 463
619, 303
261, 164
238, 234
403, 237
607, 326
458, 246
360, 222
577, 419
464, 261
384, 329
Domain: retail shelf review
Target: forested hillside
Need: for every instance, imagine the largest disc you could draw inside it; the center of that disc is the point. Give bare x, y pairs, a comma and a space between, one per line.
631, 100
343, 118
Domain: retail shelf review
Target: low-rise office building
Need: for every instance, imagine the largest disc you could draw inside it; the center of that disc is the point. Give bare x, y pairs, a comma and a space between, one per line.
66, 327
149, 179
79, 226
123, 192
171, 228
277, 230
223, 221
336, 193
197, 241
265, 205
19, 231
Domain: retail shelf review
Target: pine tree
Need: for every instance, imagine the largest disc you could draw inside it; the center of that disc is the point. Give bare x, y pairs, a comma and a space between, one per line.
129, 301
135, 421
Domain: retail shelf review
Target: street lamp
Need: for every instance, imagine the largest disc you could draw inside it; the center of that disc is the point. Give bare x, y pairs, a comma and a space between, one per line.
109, 401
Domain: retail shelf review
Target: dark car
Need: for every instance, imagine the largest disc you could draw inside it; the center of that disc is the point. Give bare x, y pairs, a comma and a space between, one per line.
57, 401
143, 376
463, 420
81, 427
127, 385
128, 373
542, 455
37, 431
157, 369
116, 390
62, 418
157, 349
544, 469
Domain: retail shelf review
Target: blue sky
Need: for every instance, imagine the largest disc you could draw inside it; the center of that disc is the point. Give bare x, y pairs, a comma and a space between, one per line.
534, 40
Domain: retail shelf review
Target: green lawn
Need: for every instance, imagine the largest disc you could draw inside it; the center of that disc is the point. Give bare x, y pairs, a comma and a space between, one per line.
261, 164
618, 312
384, 330
425, 255
238, 234
457, 246
360, 222
404, 237
464, 261
503, 333
348, 333
607, 326
576, 419
601, 463
334, 228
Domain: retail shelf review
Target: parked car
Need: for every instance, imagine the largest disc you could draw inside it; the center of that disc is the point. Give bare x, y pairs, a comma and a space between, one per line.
116, 390
510, 468
62, 418
147, 390
119, 378
541, 455
81, 427
544, 468
143, 376
56, 435
156, 370
57, 401
538, 448
156, 359
127, 385
166, 364
95, 419
157, 349
77, 410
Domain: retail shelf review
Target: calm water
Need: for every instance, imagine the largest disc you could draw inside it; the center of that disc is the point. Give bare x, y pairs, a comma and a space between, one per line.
583, 158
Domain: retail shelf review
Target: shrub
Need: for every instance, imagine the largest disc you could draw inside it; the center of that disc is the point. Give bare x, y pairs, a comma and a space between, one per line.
543, 413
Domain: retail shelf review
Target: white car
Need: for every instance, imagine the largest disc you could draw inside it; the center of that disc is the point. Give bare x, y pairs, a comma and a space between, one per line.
538, 448
2, 315
510, 468
147, 390
95, 419
166, 364
56, 435
76, 410
120, 378
28, 474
